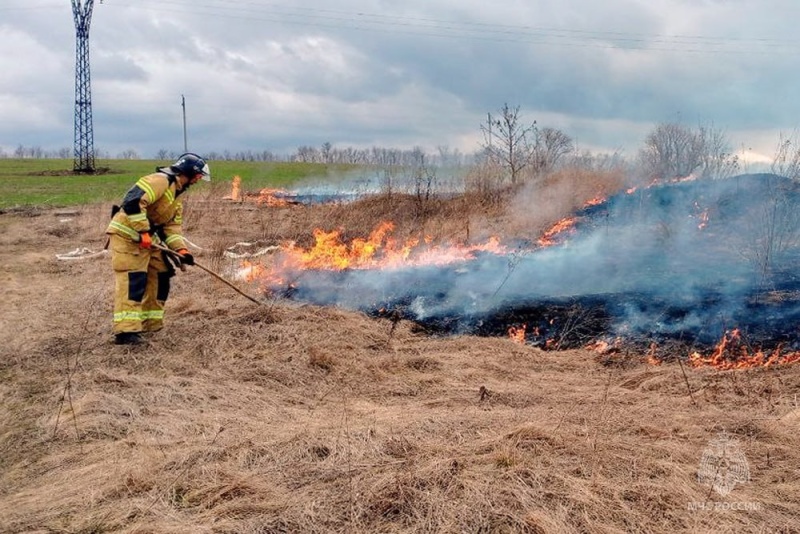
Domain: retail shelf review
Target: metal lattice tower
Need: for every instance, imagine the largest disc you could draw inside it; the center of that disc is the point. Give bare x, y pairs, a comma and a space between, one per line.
84, 136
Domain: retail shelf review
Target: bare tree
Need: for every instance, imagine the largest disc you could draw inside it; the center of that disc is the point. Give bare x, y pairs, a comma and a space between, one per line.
327, 152
787, 158
550, 147
389, 175
598, 162
507, 141
674, 150
307, 154
128, 154
717, 159
671, 151
451, 157
423, 175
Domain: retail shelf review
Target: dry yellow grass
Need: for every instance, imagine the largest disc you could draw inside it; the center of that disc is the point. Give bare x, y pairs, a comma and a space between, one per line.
291, 418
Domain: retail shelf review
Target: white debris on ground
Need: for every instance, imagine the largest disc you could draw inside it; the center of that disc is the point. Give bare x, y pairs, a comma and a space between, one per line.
80, 253
240, 255
244, 250
192, 245
83, 253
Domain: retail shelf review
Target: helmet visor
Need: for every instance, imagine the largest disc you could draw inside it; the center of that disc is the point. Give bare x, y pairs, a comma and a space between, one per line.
206, 173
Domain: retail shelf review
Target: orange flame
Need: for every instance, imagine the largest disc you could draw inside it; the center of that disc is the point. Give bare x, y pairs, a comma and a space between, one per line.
702, 216
564, 225
703, 220
599, 346
236, 190
256, 272
732, 353
651, 357
517, 334
272, 198
594, 201
381, 250
603, 346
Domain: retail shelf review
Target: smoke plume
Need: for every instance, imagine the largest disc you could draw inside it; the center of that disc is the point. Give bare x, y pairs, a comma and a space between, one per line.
686, 260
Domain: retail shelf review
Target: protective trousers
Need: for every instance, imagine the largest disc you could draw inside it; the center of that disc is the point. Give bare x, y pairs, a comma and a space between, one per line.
141, 286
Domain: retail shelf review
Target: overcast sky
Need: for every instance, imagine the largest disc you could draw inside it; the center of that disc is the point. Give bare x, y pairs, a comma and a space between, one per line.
264, 75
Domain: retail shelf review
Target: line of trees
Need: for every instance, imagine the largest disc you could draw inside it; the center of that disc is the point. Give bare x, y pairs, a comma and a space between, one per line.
515, 151
35, 152
326, 153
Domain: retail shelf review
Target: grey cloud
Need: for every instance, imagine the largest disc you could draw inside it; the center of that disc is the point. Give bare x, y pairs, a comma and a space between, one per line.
375, 73
116, 67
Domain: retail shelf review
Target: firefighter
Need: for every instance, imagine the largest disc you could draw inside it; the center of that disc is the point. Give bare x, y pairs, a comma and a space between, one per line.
151, 212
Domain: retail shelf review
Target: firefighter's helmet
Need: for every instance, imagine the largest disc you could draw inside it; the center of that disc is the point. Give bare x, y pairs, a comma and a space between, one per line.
190, 164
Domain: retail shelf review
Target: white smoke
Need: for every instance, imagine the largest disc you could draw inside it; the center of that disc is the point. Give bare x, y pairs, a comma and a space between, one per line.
667, 261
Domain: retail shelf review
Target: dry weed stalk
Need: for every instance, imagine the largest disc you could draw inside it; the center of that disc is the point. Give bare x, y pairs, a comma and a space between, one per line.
599, 423
686, 381
72, 368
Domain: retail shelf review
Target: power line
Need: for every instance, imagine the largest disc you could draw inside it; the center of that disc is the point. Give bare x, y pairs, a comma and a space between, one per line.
469, 30
30, 8
504, 27
484, 25
335, 19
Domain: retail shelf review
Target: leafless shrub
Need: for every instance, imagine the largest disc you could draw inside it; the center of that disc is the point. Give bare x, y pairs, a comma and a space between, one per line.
771, 226
485, 183
786, 161
673, 150
578, 326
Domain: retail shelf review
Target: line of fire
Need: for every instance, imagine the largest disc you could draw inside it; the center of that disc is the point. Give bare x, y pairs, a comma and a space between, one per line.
704, 271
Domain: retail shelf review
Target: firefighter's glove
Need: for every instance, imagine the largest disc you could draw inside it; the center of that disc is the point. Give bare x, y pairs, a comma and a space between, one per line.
186, 257
145, 241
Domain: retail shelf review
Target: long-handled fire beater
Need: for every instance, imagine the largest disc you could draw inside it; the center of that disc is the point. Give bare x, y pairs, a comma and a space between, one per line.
177, 259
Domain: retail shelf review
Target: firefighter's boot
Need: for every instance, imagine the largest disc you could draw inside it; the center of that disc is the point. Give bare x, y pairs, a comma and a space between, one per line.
128, 338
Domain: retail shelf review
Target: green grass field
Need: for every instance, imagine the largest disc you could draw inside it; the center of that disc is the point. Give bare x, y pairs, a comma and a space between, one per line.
49, 182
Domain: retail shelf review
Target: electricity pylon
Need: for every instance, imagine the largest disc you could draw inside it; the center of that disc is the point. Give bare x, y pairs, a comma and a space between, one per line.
84, 136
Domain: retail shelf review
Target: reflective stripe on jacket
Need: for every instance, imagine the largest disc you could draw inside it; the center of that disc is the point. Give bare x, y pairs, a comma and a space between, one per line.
151, 204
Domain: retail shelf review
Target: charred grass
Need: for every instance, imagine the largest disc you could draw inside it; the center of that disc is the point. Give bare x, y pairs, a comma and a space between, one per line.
285, 417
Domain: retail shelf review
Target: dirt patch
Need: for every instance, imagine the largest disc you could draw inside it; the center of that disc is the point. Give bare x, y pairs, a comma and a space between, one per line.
99, 171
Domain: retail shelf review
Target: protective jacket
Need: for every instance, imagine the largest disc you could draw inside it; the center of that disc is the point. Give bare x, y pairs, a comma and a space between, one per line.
142, 276
151, 205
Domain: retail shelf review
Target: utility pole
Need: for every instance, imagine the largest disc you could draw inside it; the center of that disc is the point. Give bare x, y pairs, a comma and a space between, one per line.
84, 135
183, 105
